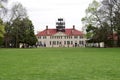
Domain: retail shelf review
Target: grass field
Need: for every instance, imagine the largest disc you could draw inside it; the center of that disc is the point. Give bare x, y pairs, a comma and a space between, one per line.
60, 64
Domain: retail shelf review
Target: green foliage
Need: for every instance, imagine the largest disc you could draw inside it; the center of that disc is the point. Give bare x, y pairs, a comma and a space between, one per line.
90, 31
91, 14
90, 28
23, 31
89, 35
1, 40
2, 31
60, 64
19, 29
29, 37
116, 23
92, 9
91, 20
3, 12
105, 17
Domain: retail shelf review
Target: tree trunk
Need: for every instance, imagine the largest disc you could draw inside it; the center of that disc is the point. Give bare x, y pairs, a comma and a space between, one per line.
118, 42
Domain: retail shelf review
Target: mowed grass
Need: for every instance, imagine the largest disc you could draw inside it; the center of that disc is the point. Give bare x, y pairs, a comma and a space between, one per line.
60, 64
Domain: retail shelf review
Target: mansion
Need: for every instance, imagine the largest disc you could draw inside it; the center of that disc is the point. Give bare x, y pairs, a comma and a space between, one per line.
61, 36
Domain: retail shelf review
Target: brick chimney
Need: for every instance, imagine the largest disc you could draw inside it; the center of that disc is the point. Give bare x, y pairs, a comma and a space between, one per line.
73, 27
47, 27
47, 31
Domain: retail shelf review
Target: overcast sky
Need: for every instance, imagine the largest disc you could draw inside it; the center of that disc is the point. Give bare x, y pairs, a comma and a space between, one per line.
46, 12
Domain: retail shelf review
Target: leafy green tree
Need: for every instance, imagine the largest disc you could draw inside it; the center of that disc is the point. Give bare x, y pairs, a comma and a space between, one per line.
117, 26
92, 22
27, 33
23, 32
16, 32
116, 19
2, 13
18, 13
19, 29
2, 31
90, 31
101, 17
8, 35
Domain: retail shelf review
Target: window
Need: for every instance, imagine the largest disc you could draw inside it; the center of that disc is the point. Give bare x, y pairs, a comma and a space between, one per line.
81, 37
82, 42
54, 42
44, 37
64, 42
50, 42
55, 37
57, 42
68, 42
39, 43
79, 42
65, 37
60, 42
39, 37
75, 37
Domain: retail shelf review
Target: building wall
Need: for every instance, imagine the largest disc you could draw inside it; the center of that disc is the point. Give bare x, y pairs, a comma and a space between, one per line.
61, 40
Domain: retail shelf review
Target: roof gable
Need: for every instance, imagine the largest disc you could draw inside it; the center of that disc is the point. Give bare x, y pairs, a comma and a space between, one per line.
60, 34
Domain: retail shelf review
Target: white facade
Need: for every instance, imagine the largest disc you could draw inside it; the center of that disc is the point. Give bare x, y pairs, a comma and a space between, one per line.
60, 39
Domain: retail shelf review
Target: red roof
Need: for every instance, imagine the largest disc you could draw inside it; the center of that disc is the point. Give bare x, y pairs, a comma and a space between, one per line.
69, 32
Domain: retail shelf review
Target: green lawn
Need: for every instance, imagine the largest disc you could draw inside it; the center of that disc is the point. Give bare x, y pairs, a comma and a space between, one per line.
60, 64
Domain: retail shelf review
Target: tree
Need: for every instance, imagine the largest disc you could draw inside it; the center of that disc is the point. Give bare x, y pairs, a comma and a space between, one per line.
3, 9
103, 18
8, 35
92, 14
19, 28
2, 13
27, 35
112, 9
93, 22
18, 13
117, 26
30, 38
116, 19
90, 31
16, 26
2, 31
108, 10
